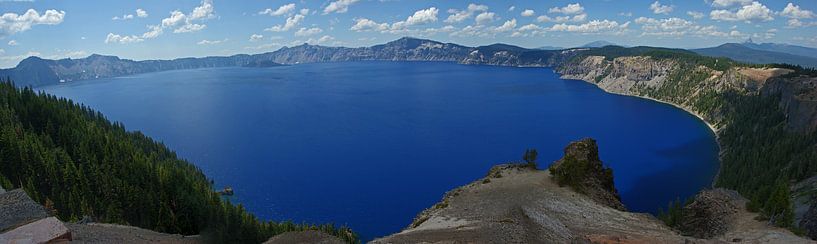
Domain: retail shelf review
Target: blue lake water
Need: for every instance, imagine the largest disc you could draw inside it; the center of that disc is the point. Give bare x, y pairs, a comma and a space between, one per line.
371, 144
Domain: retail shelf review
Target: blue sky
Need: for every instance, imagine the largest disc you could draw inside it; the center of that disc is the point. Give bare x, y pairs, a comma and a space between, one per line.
154, 29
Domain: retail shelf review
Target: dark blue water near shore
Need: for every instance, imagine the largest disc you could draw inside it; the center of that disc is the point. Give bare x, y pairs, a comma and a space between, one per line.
371, 144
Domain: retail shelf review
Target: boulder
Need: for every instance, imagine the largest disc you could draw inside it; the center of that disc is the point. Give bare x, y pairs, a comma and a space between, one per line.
46, 230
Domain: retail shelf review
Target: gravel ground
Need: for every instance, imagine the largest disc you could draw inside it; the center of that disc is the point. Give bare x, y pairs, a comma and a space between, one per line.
108, 233
305, 237
17, 209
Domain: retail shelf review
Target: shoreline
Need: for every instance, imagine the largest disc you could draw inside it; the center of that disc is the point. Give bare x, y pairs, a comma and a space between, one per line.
715, 130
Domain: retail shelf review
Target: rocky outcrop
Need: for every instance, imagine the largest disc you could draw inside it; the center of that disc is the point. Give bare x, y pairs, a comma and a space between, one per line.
711, 214
581, 169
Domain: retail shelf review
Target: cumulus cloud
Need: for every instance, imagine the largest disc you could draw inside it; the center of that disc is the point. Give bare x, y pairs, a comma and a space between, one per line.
570, 9
457, 16
676, 27
11, 23
420, 17
794, 12
282, 10
728, 3
339, 6
178, 21
594, 26
308, 32
573, 13
657, 8
695, 15
114, 38
527, 13
203, 11
507, 26
124, 17
485, 17
256, 37
141, 13
363, 24
748, 13
208, 42
795, 23
13, 43
290, 23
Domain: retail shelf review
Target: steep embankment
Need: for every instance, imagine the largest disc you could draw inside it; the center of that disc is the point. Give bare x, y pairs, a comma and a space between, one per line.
519, 204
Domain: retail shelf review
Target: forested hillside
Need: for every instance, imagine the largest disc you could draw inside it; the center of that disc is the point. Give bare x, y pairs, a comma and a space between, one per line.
76, 162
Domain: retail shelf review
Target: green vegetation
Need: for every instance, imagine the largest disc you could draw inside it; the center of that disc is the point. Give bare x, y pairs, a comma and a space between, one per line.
75, 160
674, 214
530, 157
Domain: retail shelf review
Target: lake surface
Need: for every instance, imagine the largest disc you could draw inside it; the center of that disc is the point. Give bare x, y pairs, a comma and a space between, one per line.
371, 144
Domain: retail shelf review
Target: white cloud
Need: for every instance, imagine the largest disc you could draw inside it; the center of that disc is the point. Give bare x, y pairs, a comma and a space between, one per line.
13, 43
423, 16
175, 18
304, 11
676, 27
507, 26
256, 37
208, 42
511, 8
794, 12
748, 13
562, 19
363, 24
458, 16
657, 8
155, 31
695, 15
795, 23
189, 27
527, 13
339, 6
420, 17
114, 38
485, 17
124, 17
203, 11
141, 13
308, 32
291, 22
570, 9
282, 10
727, 3
594, 26
11, 23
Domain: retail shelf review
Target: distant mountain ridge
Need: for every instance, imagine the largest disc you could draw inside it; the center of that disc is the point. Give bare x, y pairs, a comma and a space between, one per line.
748, 54
35, 71
783, 48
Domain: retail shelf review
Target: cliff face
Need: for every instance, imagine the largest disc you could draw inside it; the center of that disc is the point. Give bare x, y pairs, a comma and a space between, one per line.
798, 99
582, 170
